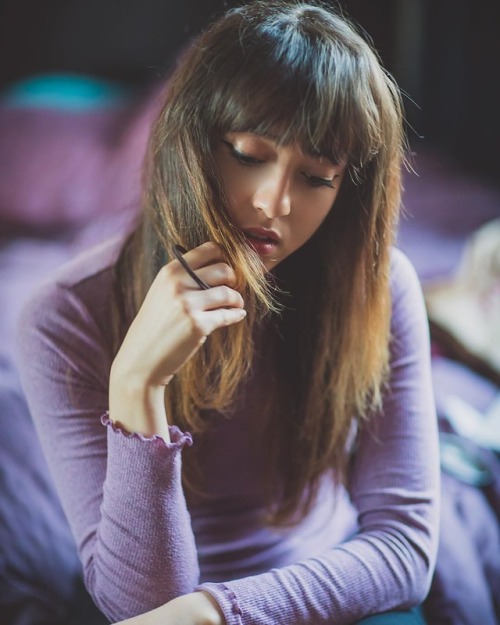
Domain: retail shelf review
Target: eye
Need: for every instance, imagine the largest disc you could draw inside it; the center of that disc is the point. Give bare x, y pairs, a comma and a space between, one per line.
316, 181
241, 157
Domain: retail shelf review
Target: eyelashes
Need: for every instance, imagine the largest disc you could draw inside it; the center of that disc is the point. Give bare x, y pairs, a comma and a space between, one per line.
314, 181
241, 157
247, 160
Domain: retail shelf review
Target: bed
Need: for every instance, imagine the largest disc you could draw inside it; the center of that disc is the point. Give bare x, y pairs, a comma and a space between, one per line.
71, 149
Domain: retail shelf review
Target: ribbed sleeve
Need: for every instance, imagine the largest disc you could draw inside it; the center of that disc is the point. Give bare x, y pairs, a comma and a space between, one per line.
121, 493
394, 486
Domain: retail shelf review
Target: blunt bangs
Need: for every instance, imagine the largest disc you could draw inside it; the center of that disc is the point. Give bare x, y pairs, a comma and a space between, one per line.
299, 77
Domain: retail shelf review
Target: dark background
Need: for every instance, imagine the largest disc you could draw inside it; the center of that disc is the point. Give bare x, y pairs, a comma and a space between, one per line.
444, 53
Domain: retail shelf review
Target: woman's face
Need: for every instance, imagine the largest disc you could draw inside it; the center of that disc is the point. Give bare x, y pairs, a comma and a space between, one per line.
278, 196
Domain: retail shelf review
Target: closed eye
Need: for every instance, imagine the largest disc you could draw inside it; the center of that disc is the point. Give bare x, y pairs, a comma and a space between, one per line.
241, 157
316, 181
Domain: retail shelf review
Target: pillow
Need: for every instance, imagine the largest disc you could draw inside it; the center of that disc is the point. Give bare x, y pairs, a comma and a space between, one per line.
71, 151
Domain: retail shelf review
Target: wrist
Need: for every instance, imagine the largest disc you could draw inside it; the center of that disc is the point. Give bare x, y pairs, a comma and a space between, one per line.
214, 613
137, 406
196, 608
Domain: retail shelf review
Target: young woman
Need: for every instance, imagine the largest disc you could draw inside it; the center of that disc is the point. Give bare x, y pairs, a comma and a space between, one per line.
245, 433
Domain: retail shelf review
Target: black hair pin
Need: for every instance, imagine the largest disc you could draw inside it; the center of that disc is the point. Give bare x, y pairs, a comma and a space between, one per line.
178, 252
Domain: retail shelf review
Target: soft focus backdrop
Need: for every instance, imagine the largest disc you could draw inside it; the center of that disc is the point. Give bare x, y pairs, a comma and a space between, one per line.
81, 82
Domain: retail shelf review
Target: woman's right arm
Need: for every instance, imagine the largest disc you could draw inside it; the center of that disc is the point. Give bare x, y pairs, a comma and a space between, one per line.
120, 487
173, 322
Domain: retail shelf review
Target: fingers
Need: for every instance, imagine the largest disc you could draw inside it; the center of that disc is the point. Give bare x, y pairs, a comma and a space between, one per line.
217, 275
212, 308
216, 297
210, 320
203, 262
176, 316
203, 255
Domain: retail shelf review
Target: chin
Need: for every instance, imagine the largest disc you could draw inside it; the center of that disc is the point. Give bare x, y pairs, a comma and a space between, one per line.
271, 263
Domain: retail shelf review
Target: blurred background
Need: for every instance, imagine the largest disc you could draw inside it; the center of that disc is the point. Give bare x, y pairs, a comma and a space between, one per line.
80, 84
444, 53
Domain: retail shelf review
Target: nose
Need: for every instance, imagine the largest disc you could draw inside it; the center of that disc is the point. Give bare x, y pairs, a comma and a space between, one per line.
272, 196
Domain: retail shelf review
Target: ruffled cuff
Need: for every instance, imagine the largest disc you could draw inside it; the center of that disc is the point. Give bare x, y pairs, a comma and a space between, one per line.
227, 600
178, 439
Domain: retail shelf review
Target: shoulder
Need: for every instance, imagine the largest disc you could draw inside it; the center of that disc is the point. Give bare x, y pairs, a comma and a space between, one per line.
88, 265
403, 274
72, 307
83, 276
409, 324
404, 282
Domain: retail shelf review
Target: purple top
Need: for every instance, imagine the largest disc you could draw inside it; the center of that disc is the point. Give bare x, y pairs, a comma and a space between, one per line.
140, 540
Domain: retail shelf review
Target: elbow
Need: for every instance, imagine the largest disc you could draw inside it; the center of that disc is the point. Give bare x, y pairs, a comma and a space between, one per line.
421, 537
419, 586
420, 567
119, 596
108, 596
413, 548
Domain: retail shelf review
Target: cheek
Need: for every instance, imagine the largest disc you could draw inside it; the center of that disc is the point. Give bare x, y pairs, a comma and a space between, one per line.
233, 200
238, 194
315, 210
326, 201
233, 191
229, 180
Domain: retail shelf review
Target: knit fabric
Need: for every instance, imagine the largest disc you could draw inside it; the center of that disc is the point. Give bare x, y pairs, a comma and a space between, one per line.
143, 541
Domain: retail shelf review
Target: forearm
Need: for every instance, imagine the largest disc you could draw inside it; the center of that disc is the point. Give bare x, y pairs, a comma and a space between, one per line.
376, 572
142, 553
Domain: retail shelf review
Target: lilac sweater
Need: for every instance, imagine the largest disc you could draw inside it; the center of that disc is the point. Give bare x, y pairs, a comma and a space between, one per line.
142, 542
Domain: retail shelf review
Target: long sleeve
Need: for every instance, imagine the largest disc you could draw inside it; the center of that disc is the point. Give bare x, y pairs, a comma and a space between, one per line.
388, 564
121, 493
124, 500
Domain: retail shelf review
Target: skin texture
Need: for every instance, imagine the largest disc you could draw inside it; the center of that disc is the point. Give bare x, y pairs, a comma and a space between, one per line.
276, 187
197, 608
171, 325
270, 186
267, 186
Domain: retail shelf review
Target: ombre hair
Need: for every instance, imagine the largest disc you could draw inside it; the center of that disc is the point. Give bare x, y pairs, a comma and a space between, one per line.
303, 74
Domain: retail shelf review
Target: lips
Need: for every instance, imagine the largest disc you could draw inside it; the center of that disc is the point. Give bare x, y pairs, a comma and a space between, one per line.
263, 240
263, 234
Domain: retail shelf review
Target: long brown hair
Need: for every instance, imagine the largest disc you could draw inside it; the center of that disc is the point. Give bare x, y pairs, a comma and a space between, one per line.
304, 73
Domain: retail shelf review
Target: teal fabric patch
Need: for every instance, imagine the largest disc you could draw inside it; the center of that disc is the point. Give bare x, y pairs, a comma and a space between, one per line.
71, 92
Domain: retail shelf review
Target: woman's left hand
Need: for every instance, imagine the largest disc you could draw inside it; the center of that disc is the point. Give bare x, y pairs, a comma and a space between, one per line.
196, 608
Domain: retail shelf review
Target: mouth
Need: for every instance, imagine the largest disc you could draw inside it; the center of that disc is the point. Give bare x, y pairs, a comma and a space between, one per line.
262, 240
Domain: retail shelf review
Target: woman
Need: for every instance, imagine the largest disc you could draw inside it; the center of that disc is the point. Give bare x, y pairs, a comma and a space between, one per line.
299, 367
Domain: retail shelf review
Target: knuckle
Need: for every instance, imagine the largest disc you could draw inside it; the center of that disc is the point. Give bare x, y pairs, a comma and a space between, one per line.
172, 268
211, 245
182, 306
197, 327
227, 273
168, 272
177, 289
